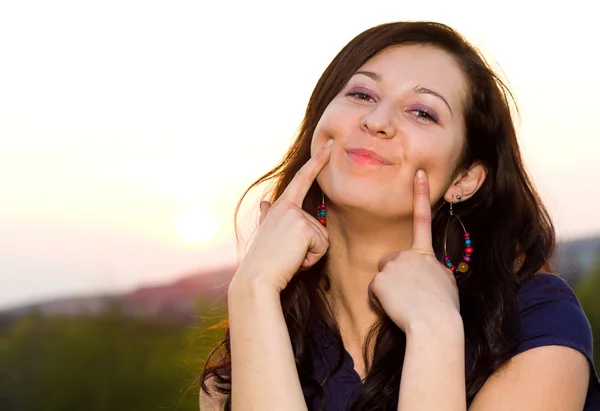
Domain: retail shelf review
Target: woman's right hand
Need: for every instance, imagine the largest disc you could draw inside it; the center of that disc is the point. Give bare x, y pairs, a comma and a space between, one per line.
288, 239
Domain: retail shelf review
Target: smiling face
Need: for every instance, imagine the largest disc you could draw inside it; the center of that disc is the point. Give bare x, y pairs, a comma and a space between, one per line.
400, 112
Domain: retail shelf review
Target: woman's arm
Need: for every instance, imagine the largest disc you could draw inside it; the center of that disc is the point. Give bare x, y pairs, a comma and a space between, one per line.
264, 375
263, 369
541, 379
212, 402
544, 378
433, 374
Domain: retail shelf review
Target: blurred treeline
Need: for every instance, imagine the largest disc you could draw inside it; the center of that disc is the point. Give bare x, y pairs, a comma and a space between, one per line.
588, 293
99, 363
115, 362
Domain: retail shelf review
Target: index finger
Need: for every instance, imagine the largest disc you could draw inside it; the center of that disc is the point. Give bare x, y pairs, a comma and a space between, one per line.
421, 240
302, 181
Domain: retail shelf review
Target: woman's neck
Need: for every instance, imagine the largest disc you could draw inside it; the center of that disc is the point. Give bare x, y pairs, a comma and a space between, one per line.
352, 262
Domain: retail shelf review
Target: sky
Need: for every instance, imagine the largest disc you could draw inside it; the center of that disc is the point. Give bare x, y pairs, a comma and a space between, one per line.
129, 129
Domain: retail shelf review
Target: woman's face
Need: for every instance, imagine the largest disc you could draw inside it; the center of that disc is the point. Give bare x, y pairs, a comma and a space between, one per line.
400, 112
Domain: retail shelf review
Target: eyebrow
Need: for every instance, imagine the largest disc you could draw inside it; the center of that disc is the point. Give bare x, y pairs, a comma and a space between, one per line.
424, 90
371, 74
417, 89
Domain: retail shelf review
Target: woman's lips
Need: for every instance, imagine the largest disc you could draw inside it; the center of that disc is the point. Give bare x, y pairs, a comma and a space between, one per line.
366, 157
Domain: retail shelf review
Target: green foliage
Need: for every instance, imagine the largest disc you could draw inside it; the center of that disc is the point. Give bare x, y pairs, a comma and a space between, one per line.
588, 292
114, 362
110, 362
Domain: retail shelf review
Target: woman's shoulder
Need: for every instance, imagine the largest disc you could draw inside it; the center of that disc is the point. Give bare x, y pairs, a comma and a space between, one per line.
551, 313
545, 280
545, 288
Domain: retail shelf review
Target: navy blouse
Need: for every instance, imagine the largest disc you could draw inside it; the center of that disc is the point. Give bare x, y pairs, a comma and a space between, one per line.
550, 314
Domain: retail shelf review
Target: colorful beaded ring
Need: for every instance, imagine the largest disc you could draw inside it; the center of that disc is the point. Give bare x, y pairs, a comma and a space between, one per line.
322, 211
463, 266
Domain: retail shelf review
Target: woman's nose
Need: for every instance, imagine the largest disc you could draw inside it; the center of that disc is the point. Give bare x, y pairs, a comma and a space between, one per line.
378, 123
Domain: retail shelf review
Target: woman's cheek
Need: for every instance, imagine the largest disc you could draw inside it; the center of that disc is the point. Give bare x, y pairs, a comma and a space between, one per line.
317, 142
437, 168
439, 180
322, 134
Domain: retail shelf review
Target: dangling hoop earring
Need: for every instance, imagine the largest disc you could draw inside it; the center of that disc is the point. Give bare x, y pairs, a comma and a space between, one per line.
322, 211
463, 266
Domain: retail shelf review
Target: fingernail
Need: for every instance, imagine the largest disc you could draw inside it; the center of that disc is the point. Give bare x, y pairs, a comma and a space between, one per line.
329, 143
420, 174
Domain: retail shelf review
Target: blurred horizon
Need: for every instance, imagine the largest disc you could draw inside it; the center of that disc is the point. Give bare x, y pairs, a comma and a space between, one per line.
130, 129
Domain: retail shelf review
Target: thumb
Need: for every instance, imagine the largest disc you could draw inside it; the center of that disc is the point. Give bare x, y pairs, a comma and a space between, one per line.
386, 259
374, 300
264, 210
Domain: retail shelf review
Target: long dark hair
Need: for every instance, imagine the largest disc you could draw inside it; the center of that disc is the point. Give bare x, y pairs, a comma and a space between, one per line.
513, 231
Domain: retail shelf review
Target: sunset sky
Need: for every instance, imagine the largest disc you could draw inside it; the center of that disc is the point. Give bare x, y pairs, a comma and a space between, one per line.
129, 129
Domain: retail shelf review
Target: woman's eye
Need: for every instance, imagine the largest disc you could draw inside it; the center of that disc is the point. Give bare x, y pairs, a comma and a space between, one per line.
424, 116
361, 95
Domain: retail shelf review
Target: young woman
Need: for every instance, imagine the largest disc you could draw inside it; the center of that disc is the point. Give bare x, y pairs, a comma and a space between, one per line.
402, 262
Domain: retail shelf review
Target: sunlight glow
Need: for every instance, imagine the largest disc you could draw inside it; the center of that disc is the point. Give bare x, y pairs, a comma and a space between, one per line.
130, 131
196, 225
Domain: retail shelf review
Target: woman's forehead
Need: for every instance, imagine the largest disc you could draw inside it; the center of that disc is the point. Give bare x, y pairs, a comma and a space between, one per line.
423, 64
418, 67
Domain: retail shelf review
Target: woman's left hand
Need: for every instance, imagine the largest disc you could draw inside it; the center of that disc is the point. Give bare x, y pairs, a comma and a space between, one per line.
412, 286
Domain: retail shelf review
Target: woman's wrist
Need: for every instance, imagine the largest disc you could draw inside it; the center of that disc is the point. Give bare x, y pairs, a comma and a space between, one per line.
448, 325
245, 285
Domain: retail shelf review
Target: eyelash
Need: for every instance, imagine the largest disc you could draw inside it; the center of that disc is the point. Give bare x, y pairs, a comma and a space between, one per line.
424, 116
361, 95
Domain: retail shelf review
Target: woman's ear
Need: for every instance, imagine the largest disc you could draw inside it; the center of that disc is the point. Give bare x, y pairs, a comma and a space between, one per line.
466, 183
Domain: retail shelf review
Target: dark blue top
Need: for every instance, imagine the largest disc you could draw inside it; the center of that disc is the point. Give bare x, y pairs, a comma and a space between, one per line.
550, 314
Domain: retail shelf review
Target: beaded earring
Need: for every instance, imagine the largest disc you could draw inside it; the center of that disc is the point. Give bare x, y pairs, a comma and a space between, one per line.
463, 266
322, 211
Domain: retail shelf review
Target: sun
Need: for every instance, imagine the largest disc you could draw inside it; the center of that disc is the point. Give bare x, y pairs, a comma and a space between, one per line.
196, 225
